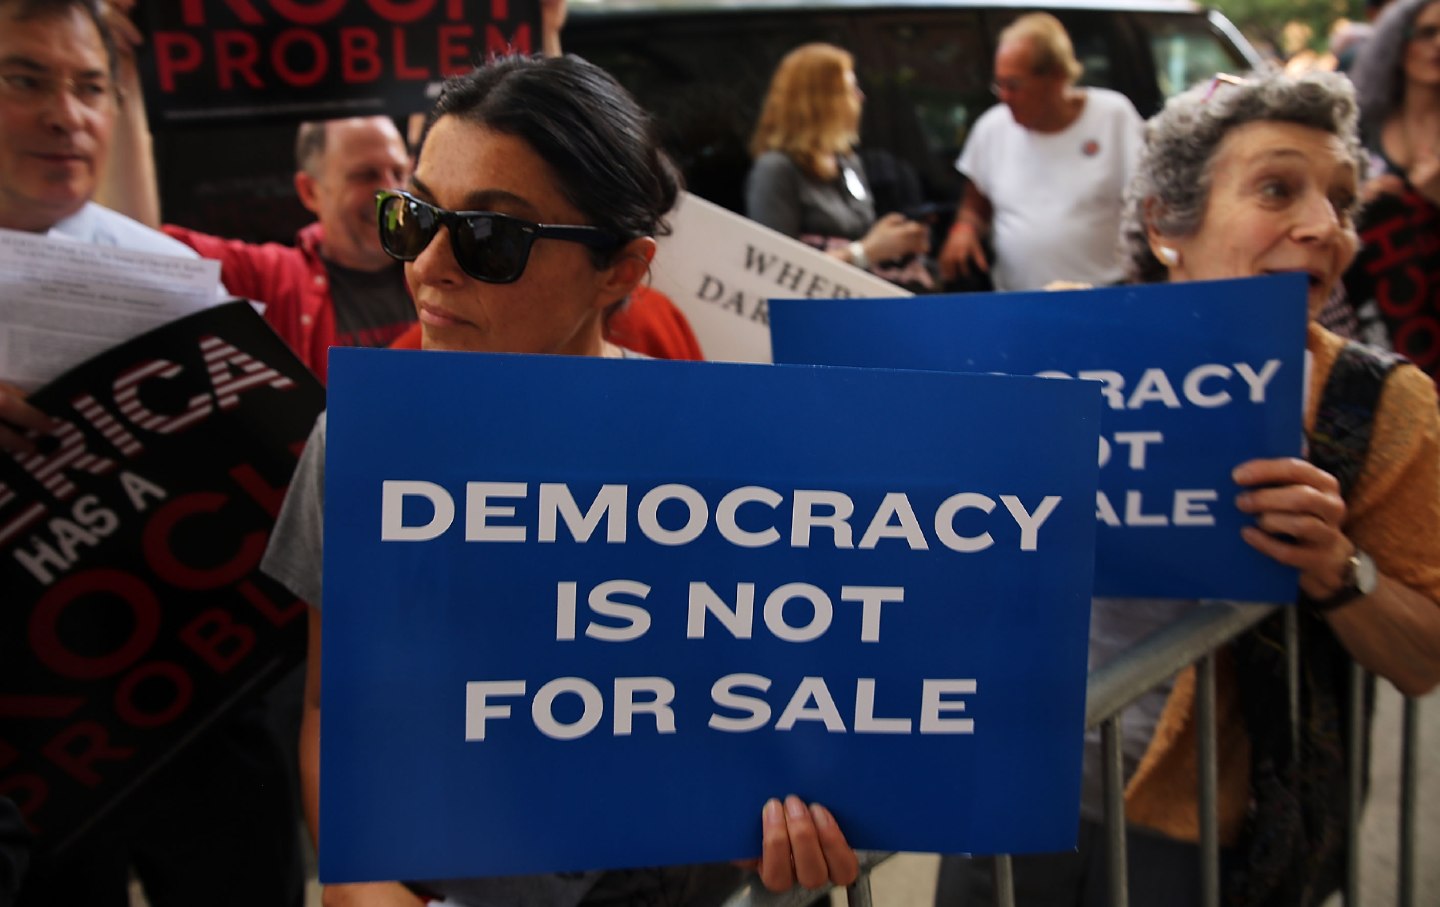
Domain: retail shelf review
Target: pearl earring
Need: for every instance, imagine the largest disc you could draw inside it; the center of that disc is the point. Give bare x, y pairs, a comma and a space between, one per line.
1169, 256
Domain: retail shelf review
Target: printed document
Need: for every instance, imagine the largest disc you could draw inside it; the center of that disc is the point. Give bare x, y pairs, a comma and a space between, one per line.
62, 302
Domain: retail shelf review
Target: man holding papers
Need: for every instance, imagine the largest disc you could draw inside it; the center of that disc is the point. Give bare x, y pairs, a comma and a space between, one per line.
217, 826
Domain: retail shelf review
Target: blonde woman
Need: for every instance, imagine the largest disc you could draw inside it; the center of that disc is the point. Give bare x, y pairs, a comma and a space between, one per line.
807, 181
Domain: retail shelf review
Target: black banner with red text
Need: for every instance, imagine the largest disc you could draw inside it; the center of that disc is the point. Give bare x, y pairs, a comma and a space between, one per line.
232, 60
135, 613
1396, 275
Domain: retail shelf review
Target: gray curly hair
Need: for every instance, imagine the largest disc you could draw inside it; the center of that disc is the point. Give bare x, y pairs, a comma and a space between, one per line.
1379, 80
1172, 185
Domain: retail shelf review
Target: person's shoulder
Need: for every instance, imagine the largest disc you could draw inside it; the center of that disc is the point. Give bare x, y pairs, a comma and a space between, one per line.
98, 225
219, 247
773, 163
1412, 391
996, 116
1108, 97
773, 171
1110, 101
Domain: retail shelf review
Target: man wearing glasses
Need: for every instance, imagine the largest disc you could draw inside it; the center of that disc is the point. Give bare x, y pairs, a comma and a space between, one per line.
1047, 169
57, 111
218, 824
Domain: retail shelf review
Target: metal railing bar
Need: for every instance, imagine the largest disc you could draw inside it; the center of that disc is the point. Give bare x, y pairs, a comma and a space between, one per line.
1292, 673
1004, 881
1156, 658
858, 893
751, 893
1409, 801
1111, 755
1355, 783
1192, 639
1209, 783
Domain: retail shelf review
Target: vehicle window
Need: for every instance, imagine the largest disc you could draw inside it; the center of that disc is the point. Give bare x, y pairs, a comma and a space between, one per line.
926, 80
1186, 50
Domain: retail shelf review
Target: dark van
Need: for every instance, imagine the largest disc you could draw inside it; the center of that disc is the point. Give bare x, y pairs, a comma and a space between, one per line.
703, 66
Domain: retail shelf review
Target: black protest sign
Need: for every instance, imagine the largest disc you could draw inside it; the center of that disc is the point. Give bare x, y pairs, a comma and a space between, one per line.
231, 60
135, 613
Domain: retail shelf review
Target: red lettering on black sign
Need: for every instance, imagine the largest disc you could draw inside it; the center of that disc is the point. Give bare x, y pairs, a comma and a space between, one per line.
359, 55
268, 496
402, 12
129, 710
32, 706
77, 748
193, 11
1384, 251
267, 607
175, 53
160, 554
404, 70
455, 49
280, 57
28, 790
45, 639
218, 639
497, 45
308, 13
236, 53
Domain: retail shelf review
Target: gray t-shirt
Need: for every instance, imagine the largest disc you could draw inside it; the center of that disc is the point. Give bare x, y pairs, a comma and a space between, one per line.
294, 558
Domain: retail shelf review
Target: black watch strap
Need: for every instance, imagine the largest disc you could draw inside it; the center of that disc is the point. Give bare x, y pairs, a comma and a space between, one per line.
1360, 580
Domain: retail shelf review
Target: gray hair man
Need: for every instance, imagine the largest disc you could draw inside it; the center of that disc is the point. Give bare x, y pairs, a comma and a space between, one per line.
1047, 169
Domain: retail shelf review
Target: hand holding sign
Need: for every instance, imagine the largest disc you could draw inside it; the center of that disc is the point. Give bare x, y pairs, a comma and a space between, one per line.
803, 845
1299, 512
16, 415
663, 635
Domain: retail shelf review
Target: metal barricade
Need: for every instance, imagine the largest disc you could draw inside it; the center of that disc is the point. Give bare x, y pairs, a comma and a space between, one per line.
752, 894
1193, 639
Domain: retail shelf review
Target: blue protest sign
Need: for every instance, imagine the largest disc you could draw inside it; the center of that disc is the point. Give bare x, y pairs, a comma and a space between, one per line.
1197, 377
586, 613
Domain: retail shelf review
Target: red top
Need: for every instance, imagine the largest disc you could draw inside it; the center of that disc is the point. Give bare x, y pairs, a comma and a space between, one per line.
650, 324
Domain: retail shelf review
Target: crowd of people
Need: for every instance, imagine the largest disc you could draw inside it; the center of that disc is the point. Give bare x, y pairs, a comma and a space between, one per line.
1237, 177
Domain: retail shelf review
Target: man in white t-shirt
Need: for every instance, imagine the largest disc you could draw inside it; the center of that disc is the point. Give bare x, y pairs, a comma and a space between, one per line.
1047, 169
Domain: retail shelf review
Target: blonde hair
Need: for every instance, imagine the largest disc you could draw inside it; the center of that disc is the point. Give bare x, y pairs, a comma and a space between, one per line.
1054, 54
807, 112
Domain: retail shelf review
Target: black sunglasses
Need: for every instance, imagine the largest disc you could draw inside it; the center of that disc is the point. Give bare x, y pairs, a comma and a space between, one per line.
488, 246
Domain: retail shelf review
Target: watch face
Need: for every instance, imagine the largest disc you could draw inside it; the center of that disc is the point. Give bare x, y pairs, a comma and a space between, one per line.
1366, 576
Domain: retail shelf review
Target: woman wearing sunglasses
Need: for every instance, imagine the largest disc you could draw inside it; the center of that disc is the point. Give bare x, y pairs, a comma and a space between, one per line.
530, 216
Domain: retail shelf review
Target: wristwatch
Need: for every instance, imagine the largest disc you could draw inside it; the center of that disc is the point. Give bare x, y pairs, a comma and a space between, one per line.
1360, 580
858, 258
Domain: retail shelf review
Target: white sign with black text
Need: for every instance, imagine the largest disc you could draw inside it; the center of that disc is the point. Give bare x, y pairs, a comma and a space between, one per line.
721, 269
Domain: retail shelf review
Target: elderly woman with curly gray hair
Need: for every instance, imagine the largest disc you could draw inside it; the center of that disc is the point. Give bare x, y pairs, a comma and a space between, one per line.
1244, 177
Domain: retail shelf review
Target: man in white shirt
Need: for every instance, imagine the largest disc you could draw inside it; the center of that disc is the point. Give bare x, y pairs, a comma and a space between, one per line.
1047, 169
57, 111
218, 825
